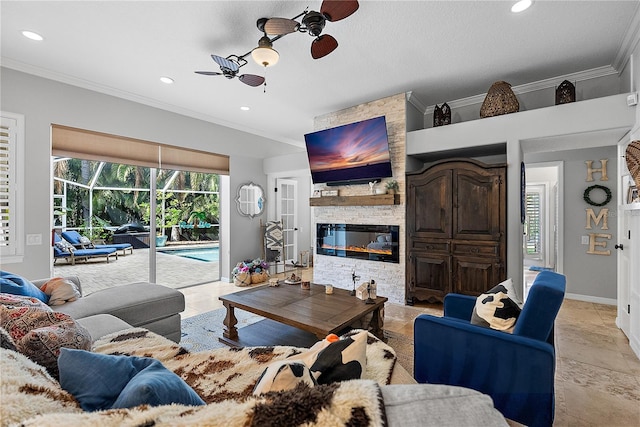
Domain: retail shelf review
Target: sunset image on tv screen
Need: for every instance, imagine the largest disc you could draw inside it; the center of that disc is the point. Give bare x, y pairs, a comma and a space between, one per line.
355, 151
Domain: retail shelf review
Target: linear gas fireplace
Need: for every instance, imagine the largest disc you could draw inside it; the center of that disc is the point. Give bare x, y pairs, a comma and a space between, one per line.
371, 242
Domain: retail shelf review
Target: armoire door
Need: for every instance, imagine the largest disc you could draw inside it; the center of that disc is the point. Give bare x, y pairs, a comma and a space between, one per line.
477, 204
429, 204
474, 275
428, 276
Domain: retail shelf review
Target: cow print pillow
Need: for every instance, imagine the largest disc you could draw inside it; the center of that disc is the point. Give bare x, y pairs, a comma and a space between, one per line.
494, 309
341, 360
283, 375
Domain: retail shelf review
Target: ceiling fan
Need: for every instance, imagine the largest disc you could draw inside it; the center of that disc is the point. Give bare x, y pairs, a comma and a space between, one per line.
229, 68
313, 23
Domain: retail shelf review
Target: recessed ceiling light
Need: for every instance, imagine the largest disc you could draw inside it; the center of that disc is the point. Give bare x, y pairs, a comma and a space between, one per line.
245, 108
167, 80
33, 36
520, 6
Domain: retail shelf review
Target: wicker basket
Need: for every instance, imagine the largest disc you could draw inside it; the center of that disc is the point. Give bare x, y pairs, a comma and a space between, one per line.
242, 279
500, 100
632, 155
263, 276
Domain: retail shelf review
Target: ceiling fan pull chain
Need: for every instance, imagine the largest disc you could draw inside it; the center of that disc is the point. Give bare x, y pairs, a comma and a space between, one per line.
264, 89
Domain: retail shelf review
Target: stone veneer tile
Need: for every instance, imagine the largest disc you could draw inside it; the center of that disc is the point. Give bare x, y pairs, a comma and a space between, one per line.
337, 271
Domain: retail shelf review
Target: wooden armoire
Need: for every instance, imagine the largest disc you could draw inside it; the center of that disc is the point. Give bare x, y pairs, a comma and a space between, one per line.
456, 229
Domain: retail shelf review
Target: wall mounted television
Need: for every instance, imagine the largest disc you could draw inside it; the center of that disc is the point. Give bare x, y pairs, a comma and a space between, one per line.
356, 153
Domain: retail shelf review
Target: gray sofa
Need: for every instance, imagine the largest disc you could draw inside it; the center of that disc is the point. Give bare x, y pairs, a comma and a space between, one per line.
145, 305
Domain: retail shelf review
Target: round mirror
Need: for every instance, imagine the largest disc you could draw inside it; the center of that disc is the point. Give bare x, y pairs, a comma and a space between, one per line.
250, 200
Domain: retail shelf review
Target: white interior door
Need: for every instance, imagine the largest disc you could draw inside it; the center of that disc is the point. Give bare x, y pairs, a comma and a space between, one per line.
623, 245
287, 212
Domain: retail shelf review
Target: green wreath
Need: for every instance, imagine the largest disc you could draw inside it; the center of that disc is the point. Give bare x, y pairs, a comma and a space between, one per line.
587, 192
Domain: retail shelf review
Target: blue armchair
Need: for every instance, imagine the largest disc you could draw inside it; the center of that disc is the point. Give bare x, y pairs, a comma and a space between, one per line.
516, 370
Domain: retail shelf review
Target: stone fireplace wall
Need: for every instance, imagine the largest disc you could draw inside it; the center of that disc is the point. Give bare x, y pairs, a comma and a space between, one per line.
337, 271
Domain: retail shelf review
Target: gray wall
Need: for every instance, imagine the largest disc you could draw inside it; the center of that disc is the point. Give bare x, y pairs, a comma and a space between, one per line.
44, 102
587, 275
244, 232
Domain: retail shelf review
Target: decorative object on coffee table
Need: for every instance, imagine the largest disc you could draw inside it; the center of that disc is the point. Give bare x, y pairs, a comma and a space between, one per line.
293, 279
369, 299
500, 100
565, 93
354, 278
367, 291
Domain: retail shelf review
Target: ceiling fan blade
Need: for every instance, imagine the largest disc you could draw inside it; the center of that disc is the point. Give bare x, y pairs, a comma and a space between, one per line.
335, 10
279, 26
208, 73
251, 79
225, 63
323, 46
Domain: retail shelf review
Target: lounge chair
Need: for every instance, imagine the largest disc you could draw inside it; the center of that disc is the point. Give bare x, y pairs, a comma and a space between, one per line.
65, 250
78, 242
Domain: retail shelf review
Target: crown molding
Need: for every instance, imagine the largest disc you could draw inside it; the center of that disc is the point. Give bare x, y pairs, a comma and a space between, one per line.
413, 100
552, 83
629, 42
108, 90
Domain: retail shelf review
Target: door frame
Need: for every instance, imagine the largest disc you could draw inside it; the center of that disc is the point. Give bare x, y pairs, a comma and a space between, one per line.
294, 230
559, 209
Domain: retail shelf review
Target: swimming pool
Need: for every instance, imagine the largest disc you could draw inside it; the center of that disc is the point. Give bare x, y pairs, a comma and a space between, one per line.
200, 254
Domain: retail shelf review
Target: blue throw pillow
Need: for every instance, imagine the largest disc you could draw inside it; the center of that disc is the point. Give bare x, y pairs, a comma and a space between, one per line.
100, 381
16, 285
156, 385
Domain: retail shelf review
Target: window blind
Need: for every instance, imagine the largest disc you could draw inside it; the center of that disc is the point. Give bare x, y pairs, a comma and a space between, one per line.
533, 240
9, 244
91, 145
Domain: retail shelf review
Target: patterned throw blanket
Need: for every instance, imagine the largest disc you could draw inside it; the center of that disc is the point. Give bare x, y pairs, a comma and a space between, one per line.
225, 379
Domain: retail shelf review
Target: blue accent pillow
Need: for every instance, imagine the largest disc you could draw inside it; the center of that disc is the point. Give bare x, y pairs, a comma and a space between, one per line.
100, 381
16, 285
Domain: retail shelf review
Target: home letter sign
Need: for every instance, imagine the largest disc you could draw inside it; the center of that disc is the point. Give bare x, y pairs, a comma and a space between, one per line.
597, 244
602, 170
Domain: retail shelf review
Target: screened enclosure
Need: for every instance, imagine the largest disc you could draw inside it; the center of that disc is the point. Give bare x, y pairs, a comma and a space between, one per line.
96, 198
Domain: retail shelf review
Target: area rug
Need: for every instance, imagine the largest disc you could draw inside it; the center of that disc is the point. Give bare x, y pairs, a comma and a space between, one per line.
403, 345
201, 333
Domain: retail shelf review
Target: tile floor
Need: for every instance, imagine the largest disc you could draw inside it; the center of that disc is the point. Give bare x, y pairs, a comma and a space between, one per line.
597, 376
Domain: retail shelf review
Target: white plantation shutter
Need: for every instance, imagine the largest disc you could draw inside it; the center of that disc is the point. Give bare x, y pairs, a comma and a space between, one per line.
533, 238
10, 198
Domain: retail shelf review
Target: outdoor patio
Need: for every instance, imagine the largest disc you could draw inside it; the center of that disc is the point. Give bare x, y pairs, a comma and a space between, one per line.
172, 270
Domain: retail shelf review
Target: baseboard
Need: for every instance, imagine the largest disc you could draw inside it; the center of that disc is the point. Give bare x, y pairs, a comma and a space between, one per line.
634, 343
587, 298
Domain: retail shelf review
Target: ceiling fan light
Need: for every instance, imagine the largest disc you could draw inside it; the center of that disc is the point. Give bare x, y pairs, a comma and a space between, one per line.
264, 54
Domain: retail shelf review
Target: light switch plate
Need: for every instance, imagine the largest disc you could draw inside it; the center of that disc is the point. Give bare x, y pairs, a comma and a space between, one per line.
34, 239
585, 240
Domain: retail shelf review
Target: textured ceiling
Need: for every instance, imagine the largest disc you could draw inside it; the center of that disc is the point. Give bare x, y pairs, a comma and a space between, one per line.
439, 50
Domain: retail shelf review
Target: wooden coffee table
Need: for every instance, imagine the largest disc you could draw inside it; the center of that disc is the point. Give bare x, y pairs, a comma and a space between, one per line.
295, 316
